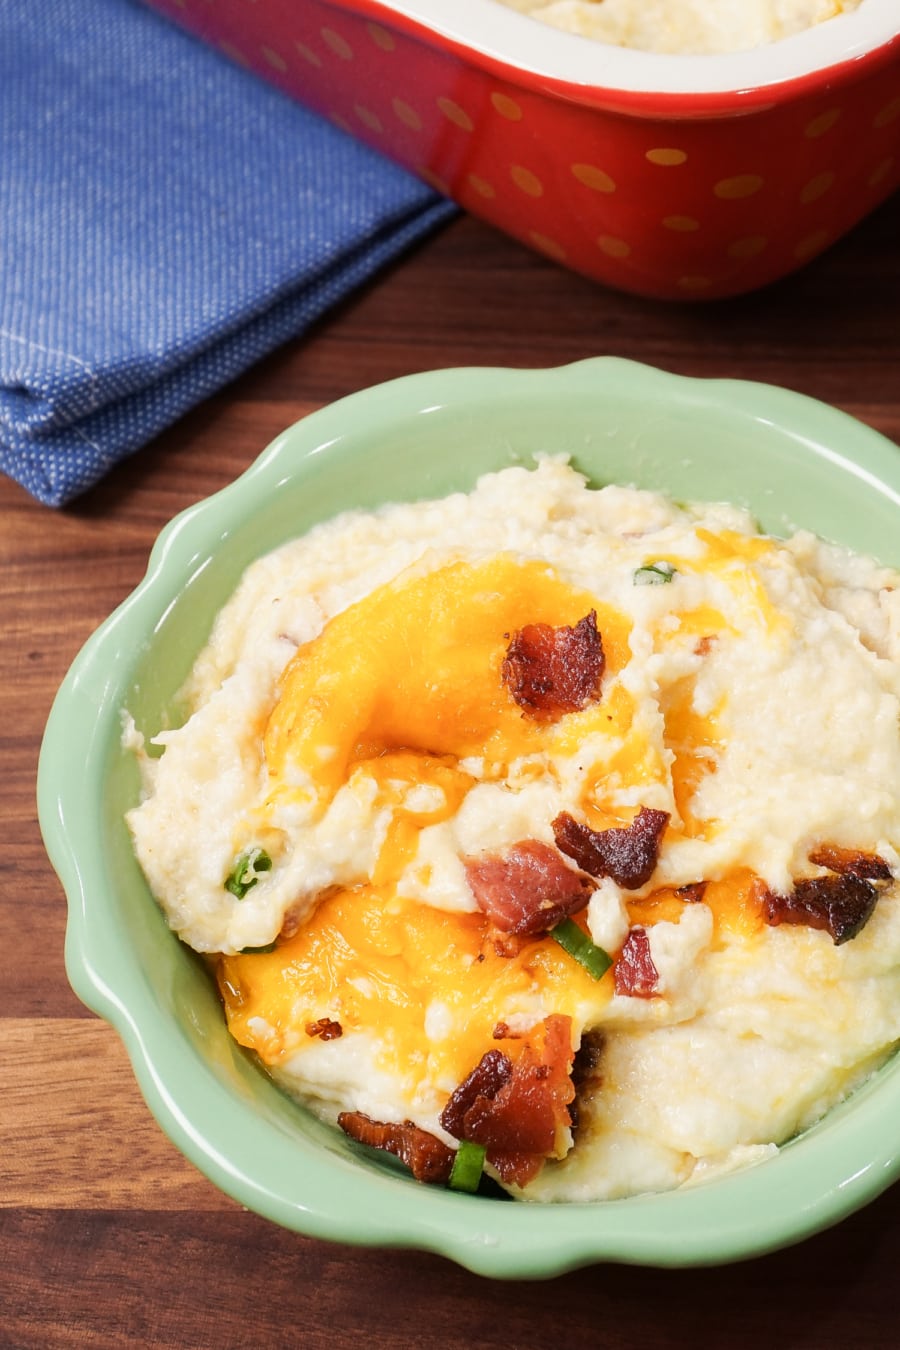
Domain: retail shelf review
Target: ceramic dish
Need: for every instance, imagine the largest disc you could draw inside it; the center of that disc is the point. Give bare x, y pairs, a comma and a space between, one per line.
678, 177
789, 459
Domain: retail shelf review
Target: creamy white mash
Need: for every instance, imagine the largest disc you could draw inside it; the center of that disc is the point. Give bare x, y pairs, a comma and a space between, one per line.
686, 26
357, 749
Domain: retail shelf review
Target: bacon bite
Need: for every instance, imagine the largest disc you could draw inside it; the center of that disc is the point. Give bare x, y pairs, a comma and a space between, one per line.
626, 855
492, 1072
841, 905
634, 972
518, 1108
554, 670
326, 1028
527, 889
851, 862
428, 1158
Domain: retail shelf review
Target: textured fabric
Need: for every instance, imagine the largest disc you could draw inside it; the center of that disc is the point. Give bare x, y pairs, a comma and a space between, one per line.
165, 220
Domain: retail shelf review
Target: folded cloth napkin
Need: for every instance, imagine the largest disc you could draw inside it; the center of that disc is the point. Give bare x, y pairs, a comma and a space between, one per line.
166, 219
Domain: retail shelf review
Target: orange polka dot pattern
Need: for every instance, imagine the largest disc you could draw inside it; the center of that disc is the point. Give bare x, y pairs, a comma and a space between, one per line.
670, 206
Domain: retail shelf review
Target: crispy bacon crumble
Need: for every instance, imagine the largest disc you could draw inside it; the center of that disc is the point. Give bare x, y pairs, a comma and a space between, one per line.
634, 972
554, 670
427, 1157
841, 905
325, 1028
527, 889
851, 862
626, 855
517, 1108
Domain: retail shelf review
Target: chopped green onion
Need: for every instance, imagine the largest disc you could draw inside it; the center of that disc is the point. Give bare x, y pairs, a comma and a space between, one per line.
576, 942
246, 871
654, 574
467, 1167
258, 951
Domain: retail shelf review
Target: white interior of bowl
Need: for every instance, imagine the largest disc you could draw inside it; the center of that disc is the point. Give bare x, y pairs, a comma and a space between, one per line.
508, 36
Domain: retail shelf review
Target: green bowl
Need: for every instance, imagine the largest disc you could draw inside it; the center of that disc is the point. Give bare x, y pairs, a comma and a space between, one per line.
791, 460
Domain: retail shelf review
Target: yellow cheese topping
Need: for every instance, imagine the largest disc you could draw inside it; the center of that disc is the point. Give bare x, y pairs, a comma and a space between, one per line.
735, 901
416, 665
401, 687
369, 959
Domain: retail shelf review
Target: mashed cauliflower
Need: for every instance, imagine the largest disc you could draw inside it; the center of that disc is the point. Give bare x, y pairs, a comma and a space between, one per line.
687, 26
382, 756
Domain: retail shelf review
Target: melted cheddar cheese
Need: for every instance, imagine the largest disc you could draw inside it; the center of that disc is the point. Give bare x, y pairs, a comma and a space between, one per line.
432, 983
402, 688
416, 666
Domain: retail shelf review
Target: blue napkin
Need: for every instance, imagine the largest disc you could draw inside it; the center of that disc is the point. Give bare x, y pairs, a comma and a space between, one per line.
166, 219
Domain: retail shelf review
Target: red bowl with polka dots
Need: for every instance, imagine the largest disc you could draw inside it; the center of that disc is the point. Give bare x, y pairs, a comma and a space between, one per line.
669, 176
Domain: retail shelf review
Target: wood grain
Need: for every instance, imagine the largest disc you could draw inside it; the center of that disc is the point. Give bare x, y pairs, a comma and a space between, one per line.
209, 1280
128, 1164
108, 1237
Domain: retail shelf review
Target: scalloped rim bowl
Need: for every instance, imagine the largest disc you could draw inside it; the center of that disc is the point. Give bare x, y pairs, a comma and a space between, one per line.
788, 458
513, 39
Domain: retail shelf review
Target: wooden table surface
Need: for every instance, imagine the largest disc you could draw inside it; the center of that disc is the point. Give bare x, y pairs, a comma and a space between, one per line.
108, 1237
